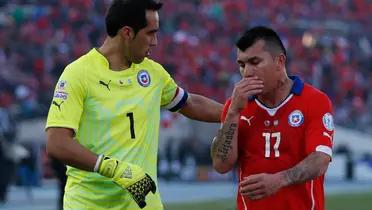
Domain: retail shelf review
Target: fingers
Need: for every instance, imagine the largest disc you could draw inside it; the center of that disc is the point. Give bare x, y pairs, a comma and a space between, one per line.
141, 189
245, 88
141, 204
257, 196
153, 187
250, 91
253, 187
248, 86
139, 199
152, 184
253, 191
249, 82
252, 179
250, 184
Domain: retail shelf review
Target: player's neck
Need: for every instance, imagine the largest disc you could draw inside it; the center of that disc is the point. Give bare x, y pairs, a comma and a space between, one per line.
114, 54
278, 94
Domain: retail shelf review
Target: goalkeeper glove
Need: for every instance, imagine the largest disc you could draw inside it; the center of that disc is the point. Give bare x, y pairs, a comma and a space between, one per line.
128, 176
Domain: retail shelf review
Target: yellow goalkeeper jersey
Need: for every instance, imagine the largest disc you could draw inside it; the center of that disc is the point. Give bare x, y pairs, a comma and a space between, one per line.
115, 113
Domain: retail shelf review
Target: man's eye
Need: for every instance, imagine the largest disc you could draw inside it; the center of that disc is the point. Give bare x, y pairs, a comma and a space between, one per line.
255, 63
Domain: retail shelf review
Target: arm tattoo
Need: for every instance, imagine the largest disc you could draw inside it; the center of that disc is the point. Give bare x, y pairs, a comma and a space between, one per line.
310, 168
222, 143
215, 143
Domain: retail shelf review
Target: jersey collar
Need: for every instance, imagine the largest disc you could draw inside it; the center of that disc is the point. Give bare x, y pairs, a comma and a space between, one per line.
102, 59
297, 87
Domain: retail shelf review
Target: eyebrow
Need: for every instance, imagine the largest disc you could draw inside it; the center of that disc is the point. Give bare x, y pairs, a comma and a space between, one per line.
153, 30
251, 59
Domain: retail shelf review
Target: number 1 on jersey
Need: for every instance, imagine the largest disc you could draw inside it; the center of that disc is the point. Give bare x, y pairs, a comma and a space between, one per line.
131, 121
268, 136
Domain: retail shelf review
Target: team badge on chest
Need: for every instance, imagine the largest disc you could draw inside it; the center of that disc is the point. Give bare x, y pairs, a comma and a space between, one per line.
296, 118
143, 78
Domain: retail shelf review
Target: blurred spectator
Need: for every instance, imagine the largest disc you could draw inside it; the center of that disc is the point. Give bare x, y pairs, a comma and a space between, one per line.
332, 47
27, 172
7, 156
349, 164
174, 130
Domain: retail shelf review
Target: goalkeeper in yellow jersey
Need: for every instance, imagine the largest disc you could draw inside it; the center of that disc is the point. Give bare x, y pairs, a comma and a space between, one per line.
103, 121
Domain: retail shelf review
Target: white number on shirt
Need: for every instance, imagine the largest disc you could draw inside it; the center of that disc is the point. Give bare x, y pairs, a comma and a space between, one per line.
268, 137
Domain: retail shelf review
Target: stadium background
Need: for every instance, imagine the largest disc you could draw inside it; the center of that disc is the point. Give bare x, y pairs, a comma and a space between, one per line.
329, 44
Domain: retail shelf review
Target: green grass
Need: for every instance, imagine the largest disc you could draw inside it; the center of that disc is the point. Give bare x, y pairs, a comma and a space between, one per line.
228, 204
357, 201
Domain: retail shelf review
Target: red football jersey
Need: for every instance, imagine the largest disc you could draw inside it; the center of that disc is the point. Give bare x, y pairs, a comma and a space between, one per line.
275, 139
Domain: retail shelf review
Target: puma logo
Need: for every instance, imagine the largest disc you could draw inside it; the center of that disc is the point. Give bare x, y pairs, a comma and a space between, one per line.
247, 119
327, 135
105, 84
57, 105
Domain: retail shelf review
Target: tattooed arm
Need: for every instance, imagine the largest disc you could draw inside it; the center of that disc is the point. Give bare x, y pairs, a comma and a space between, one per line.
312, 166
259, 186
224, 146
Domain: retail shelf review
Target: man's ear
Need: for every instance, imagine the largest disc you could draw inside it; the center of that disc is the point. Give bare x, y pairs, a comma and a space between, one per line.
127, 32
281, 59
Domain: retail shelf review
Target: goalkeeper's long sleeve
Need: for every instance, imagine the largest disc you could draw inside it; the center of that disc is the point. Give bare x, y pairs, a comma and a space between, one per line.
128, 176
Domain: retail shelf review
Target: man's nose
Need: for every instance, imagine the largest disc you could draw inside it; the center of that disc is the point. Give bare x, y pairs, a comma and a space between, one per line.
154, 41
248, 71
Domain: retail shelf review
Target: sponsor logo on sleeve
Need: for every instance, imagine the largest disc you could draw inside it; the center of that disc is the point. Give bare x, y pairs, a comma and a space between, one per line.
296, 118
60, 92
328, 121
61, 85
61, 95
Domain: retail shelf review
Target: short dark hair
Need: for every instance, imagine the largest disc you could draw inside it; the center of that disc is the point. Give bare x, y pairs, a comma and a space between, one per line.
130, 13
273, 43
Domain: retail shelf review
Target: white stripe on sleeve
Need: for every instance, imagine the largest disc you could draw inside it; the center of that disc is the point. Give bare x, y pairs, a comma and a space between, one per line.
180, 93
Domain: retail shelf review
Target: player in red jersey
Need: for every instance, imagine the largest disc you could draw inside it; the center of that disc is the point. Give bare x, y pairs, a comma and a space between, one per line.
276, 129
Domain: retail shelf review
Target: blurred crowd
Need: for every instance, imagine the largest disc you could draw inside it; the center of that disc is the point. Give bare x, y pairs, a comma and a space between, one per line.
329, 44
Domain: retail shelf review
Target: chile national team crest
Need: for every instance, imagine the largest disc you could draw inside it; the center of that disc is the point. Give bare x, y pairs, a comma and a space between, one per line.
143, 78
296, 118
